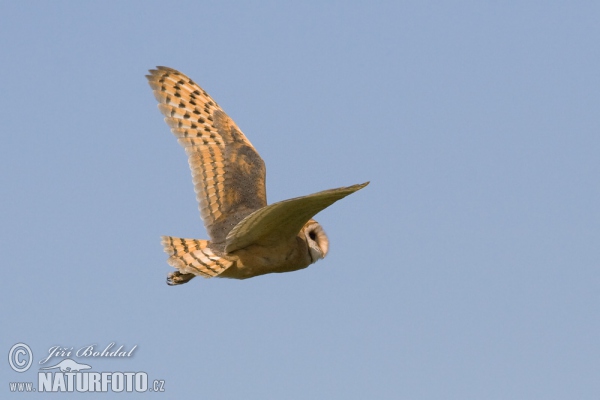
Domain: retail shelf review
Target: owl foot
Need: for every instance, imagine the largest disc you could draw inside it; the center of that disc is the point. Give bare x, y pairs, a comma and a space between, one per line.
177, 278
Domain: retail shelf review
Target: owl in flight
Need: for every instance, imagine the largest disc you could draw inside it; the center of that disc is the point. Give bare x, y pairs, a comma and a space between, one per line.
247, 237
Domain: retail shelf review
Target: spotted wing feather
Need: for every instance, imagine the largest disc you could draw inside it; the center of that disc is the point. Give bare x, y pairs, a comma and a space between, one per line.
228, 173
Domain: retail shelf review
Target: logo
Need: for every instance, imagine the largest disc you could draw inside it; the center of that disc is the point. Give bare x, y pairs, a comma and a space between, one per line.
68, 375
68, 365
14, 357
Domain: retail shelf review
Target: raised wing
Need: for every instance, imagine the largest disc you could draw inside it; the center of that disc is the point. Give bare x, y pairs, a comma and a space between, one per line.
228, 173
284, 219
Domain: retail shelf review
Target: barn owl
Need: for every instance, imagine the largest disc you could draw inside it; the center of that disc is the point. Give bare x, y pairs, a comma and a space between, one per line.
247, 237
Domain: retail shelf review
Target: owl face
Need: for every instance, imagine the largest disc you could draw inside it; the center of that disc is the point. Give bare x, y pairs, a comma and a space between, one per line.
316, 239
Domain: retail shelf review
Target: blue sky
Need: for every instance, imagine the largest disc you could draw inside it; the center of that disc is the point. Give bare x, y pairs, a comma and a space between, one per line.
467, 269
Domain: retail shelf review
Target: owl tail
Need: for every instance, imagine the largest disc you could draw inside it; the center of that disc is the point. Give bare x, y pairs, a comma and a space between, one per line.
192, 257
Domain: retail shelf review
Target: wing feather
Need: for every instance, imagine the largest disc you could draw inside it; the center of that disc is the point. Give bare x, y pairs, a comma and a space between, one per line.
228, 173
284, 219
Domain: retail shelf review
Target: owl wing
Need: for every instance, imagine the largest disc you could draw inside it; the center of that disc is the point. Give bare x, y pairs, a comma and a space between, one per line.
284, 219
228, 173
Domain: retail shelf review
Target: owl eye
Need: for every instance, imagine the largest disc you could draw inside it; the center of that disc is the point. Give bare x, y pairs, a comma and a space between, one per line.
312, 235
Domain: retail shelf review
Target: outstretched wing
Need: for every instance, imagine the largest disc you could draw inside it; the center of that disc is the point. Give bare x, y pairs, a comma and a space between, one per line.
284, 219
228, 173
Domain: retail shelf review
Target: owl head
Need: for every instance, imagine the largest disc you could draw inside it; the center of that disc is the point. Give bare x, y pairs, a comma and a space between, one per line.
316, 239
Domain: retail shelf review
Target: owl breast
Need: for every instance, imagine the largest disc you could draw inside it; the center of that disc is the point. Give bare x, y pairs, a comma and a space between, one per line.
256, 260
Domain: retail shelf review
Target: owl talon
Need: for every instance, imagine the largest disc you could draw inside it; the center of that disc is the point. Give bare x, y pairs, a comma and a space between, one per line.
177, 278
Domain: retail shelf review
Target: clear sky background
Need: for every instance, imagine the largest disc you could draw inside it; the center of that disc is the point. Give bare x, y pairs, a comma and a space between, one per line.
467, 269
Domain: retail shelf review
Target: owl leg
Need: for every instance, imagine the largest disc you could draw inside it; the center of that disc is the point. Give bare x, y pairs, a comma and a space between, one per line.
177, 278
